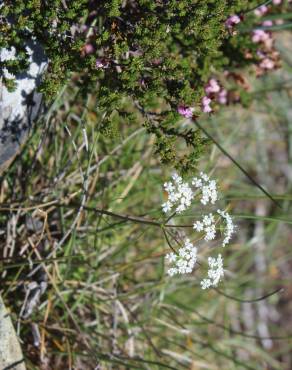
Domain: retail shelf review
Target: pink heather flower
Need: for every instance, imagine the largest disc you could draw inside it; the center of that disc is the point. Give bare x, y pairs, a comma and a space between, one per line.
84, 28
88, 49
206, 104
279, 22
260, 54
206, 100
185, 111
142, 82
212, 86
207, 109
267, 23
232, 21
267, 64
222, 97
260, 36
277, 2
261, 10
101, 64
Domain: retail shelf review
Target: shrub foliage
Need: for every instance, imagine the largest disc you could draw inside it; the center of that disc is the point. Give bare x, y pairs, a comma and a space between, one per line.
155, 54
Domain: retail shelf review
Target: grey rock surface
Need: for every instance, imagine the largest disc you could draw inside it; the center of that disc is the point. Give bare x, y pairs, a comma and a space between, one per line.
20, 108
10, 352
18, 111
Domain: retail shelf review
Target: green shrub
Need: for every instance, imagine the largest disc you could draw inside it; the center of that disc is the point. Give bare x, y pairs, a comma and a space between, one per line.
155, 53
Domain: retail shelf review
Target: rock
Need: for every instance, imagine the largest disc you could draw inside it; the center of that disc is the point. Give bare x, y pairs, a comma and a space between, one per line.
20, 108
10, 352
18, 111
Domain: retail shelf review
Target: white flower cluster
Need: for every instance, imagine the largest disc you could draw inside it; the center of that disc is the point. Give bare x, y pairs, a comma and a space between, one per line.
184, 261
208, 226
229, 229
180, 195
208, 188
215, 272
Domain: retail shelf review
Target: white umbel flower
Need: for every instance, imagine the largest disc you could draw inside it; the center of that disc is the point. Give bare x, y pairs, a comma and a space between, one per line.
210, 232
229, 229
215, 272
199, 226
184, 261
208, 220
207, 225
180, 195
208, 188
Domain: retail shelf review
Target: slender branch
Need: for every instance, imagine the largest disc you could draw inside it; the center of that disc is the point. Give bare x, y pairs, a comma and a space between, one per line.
258, 6
168, 241
139, 220
236, 163
258, 299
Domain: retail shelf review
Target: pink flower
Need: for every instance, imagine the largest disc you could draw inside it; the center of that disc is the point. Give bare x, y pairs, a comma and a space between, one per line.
277, 2
185, 111
212, 86
261, 10
88, 49
206, 104
267, 23
232, 21
260, 36
84, 28
279, 22
206, 100
260, 54
101, 63
267, 64
142, 82
222, 97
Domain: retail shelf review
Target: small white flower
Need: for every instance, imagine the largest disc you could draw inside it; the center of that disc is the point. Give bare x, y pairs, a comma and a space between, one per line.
204, 176
168, 186
229, 229
206, 284
210, 232
208, 188
208, 226
199, 226
176, 178
166, 207
184, 261
183, 252
172, 271
208, 219
180, 195
171, 257
209, 193
215, 272
197, 182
